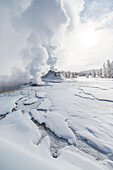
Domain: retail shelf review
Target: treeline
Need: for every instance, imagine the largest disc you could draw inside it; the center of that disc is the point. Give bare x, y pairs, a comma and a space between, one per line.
107, 70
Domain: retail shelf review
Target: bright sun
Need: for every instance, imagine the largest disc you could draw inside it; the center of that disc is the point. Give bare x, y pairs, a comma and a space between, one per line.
89, 38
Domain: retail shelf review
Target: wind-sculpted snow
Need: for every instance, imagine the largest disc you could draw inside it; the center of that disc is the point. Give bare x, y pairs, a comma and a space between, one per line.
15, 125
18, 138
64, 120
40, 94
7, 104
30, 101
56, 123
45, 104
90, 119
99, 94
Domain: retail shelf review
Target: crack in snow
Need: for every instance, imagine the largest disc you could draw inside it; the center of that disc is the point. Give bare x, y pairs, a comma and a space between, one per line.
56, 143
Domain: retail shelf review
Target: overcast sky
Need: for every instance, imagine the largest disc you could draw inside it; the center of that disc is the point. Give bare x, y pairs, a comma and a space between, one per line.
78, 34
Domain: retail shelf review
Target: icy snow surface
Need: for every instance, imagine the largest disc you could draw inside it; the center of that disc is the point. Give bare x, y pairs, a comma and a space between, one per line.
30, 101
7, 103
70, 121
45, 104
40, 94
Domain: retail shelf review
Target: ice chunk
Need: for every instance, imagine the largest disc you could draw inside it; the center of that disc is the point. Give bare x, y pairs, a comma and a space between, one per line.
30, 101
40, 94
56, 123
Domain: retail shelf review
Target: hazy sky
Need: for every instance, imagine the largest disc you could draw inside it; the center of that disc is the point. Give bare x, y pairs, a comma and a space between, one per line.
77, 33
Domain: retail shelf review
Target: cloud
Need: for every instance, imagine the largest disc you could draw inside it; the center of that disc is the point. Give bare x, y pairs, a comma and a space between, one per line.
106, 21
94, 9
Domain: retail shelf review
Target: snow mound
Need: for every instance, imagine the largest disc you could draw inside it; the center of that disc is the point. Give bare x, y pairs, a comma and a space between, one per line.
37, 115
18, 128
56, 123
52, 75
7, 103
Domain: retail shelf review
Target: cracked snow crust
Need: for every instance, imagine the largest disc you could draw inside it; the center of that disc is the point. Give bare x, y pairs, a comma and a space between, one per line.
70, 121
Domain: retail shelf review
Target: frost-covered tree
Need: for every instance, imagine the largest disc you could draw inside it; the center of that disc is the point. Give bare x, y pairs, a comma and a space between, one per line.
93, 73
111, 70
87, 75
73, 75
100, 72
108, 69
63, 73
68, 74
104, 71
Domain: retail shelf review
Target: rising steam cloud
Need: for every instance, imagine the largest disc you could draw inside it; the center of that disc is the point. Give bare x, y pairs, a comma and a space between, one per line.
42, 22
33, 37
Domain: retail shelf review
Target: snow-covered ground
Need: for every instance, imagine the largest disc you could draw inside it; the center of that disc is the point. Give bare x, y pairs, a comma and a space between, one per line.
65, 125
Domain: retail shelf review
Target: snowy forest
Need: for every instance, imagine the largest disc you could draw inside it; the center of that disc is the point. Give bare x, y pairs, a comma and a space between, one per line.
106, 71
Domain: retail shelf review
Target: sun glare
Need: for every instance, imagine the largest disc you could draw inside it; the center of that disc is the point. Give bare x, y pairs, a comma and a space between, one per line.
89, 38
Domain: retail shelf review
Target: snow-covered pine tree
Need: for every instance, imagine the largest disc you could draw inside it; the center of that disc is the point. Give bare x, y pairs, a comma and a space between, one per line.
93, 73
100, 72
104, 71
108, 69
111, 68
